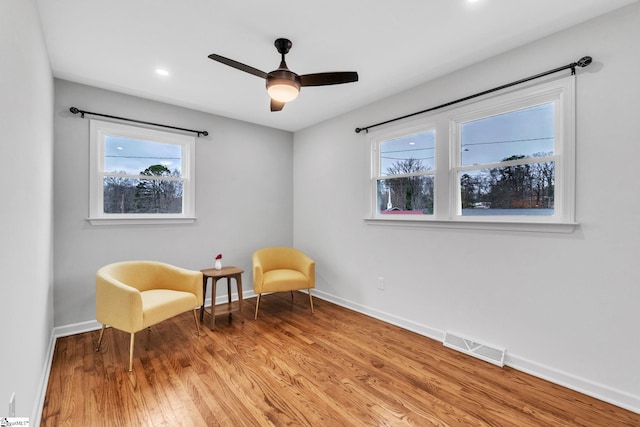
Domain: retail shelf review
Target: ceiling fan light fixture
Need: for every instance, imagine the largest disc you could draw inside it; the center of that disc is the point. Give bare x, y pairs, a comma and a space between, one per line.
283, 90
283, 85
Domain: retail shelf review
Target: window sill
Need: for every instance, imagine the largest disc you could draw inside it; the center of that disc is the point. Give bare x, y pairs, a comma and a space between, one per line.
538, 227
140, 221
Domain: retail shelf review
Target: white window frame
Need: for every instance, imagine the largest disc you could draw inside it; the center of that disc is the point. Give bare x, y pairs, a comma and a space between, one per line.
99, 130
447, 122
377, 174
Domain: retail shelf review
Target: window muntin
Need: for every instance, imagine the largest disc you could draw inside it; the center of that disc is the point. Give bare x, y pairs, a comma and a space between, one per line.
140, 174
405, 174
526, 134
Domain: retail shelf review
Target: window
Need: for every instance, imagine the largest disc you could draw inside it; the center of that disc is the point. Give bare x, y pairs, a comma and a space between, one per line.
140, 175
504, 159
406, 167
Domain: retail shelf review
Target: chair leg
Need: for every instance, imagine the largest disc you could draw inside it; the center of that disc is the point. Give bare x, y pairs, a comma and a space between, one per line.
291, 295
133, 334
257, 304
100, 338
310, 299
195, 317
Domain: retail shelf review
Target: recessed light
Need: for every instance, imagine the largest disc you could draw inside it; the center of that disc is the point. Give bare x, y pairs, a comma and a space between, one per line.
162, 72
412, 143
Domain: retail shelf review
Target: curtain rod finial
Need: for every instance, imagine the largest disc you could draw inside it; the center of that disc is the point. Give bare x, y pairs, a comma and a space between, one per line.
584, 61
74, 110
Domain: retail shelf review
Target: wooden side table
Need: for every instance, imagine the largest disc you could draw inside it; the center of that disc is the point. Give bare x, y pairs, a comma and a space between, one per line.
230, 307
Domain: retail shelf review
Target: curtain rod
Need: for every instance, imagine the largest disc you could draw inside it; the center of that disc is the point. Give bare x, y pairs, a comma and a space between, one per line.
582, 62
74, 110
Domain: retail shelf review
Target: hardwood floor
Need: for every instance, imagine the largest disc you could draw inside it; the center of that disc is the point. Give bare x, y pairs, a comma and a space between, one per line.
333, 368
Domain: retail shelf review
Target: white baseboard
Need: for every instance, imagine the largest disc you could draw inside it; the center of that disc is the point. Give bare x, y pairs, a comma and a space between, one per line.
599, 391
44, 381
93, 325
76, 328
581, 385
57, 332
381, 315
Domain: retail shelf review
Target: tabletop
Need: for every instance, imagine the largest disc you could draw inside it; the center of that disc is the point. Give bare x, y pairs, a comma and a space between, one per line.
225, 271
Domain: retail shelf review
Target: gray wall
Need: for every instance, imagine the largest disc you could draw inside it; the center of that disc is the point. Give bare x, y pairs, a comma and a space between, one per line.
26, 145
576, 324
565, 306
243, 197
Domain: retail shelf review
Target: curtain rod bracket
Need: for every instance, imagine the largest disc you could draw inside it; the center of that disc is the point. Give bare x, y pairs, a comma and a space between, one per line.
582, 62
75, 110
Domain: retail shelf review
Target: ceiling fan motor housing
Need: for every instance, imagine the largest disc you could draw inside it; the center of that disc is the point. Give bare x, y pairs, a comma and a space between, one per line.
283, 45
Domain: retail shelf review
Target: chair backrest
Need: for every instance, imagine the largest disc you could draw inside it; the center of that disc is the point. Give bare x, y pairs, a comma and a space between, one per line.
142, 275
279, 257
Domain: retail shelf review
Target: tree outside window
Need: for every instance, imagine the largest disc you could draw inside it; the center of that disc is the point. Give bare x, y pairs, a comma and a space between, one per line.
506, 159
139, 173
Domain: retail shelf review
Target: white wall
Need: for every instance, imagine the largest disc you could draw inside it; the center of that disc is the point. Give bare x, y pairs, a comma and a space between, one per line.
243, 197
26, 145
564, 306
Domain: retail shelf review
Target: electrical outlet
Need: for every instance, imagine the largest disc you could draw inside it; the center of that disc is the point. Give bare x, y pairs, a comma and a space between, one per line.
12, 405
381, 283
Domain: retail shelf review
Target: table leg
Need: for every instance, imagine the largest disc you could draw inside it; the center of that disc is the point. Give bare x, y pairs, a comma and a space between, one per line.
214, 281
204, 296
229, 295
239, 286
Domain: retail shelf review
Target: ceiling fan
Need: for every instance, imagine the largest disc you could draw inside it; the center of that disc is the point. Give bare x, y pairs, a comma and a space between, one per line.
283, 85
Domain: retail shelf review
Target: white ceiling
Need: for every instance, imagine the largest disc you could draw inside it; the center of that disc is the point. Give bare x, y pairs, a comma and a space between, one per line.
393, 45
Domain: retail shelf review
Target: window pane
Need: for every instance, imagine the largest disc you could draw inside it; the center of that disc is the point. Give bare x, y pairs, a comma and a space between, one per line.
411, 153
132, 156
509, 190
517, 134
411, 195
133, 196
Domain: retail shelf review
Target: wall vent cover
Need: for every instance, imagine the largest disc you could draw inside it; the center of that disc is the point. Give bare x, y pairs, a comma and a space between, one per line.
473, 348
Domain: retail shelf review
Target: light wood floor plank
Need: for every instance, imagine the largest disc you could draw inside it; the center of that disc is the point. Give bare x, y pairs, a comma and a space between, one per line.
333, 368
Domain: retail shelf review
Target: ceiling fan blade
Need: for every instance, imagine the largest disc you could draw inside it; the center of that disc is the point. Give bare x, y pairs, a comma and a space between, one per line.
238, 65
277, 105
324, 79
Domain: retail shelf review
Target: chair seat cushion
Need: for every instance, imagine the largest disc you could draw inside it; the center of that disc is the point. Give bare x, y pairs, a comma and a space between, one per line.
284, 280
161, 304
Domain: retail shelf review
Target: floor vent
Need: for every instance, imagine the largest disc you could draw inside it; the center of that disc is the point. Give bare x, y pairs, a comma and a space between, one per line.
485, 352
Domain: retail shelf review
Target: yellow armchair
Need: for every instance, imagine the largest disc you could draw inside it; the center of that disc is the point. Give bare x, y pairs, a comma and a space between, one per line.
133, 295
281, 269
